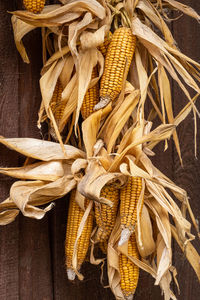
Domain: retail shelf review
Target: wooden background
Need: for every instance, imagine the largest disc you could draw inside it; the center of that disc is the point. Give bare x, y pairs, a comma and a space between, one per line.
32, 252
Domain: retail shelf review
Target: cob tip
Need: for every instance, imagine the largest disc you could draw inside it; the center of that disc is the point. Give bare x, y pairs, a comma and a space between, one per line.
102, 103
71, 274
130, 297
125, 235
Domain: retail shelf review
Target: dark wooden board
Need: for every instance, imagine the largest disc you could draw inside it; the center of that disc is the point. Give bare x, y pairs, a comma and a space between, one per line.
186, 32
9, 122
32, 252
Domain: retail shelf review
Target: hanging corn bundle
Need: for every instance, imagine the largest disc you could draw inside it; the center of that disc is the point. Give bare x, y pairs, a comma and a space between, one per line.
104, 60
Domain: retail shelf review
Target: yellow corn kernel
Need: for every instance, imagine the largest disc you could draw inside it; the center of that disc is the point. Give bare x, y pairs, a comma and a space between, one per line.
56, 104
103, 246
91, 97
35, 6
129, 196
75, 214
106, 215
129, 272
117, 64
104, 47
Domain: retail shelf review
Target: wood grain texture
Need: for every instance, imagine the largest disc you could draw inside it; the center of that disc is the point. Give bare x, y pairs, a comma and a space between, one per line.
35, 269
32, 258
187, 177
9, 120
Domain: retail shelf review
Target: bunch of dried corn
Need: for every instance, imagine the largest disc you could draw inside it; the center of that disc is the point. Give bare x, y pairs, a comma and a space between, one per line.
119, 227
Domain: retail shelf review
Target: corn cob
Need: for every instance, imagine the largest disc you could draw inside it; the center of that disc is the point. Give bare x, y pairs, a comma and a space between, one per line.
129, 196
91, 97
104, 47
106, 215
56, 104
129, 272
117, 63
35, 6
75, 215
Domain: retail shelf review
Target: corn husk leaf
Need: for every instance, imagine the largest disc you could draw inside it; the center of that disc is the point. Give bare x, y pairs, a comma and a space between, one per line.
62, 14
184, 8
27, 195
8, 216
117, 119
190, 252
158, 134
94, 180
162, 261
87, 61
144, 234
42, 150
166, 56
164, 255
20, 29
90, 129
49, 171
75, 29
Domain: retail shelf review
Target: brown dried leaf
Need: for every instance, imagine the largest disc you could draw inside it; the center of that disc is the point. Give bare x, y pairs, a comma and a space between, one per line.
59, 15
8, 216
116, 121
20, 29
162, 132
94, 180
144, 234
27, 195
42, 150
49, 171
184, 8
86, 62
190, 252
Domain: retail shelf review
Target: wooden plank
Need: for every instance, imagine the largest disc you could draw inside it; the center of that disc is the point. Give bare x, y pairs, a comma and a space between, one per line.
188, 176
34, 250
9, 235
